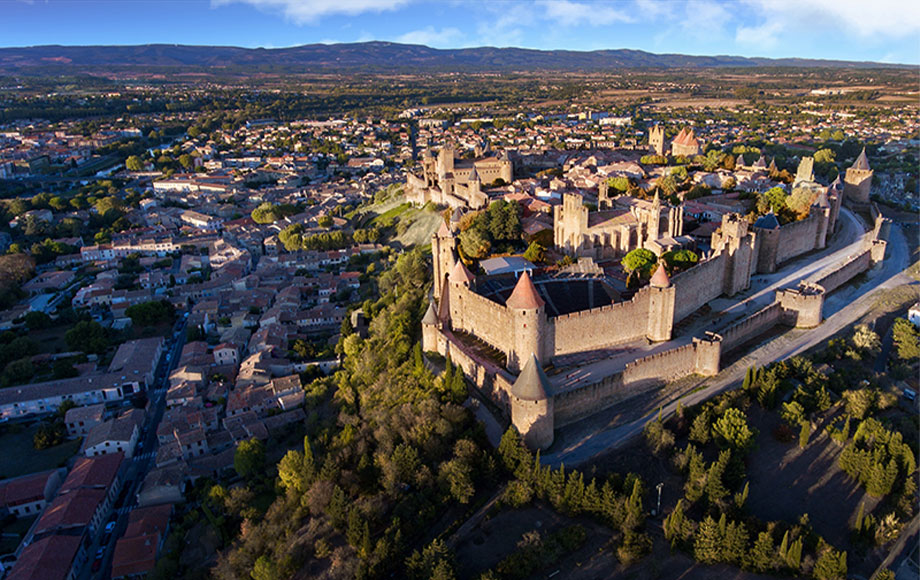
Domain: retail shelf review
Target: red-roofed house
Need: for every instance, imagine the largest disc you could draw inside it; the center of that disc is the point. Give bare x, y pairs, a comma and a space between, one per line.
51, 558
136, 552
28, 495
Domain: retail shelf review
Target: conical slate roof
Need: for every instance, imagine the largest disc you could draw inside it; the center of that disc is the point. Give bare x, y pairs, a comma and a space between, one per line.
456, 215
444, 231
461, 273
767, 222
532, 384
524, 296
431, 317
861, 161
474, 175
660, 277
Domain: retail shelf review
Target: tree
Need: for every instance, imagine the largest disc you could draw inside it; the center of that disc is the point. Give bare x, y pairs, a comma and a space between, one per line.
87, 336
707, 547
324, 221
804, 434
134, 163
249, 458
824, 156
434, 561
700, 429
732, 429
535, 252
906, 339
475, 243
151, 313
865, 339
186, 161
37, 320
762, 555
48, 435
639, 260
831, 565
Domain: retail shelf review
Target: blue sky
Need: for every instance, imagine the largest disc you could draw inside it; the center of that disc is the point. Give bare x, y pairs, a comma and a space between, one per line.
876, 30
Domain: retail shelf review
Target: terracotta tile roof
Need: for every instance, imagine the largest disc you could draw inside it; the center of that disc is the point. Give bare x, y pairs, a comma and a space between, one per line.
50, 558
24, 489
461, 273
524, 296
93, 472
69, 510
660, 278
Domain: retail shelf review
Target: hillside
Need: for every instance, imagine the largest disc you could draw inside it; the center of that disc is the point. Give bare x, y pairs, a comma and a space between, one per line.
373, 57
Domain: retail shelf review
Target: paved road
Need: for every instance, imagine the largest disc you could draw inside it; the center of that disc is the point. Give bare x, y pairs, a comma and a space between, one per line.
842, 308
144, 458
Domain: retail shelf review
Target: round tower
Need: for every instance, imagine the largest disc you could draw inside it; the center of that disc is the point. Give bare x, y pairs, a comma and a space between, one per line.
443, 243
532, 405
528, 323
430, 329
857, 182
661, 306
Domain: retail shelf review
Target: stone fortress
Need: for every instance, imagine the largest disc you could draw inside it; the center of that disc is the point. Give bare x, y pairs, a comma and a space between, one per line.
446, 180
498, 327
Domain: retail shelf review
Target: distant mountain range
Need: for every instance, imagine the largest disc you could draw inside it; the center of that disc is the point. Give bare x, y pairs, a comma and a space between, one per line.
377, 57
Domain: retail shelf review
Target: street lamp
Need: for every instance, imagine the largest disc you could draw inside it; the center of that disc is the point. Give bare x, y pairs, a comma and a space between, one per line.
658, 509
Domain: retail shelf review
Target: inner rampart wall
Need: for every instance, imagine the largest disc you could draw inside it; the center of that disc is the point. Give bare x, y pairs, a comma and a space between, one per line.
601, 327
492, 380
697, 286
755, 324
480, 316
798, 237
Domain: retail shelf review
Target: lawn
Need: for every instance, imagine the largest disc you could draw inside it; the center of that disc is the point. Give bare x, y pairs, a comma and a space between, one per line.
21, 458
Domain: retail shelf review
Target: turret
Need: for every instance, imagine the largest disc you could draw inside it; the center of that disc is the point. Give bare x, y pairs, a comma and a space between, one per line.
857, 182
532, 405
661, 306
528, 322
443, 244
430, 325
461, 281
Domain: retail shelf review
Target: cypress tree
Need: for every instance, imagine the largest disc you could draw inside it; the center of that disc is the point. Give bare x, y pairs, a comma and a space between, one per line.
857, 525
784, 546
674, 524
748, 379
794, 555
741, 498
804, 434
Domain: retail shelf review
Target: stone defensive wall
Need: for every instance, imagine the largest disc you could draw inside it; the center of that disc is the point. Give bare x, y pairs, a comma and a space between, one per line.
601, 327
752, 326
637, 377
662, 366
478, 315
698, 285
851, 268
798, 237
492, 380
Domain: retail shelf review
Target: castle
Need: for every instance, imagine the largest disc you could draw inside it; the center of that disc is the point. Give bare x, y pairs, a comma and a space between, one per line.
620, 226
497, 327
446, 180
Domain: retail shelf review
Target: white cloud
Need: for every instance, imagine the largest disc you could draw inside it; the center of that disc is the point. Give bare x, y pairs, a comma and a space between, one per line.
704, 19
870, 19
311, 11
430, 36
764, 36
569, 13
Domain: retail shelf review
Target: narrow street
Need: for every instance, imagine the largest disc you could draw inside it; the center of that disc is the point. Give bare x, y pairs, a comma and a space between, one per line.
144, 458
